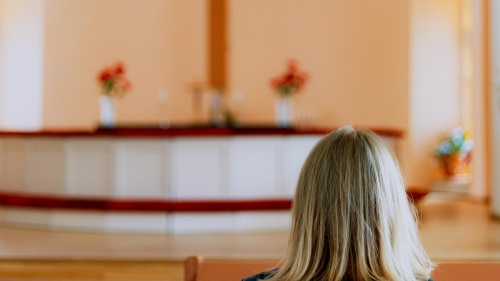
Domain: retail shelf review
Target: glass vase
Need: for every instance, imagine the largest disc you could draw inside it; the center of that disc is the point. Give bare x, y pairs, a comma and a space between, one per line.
107, 111
283, 111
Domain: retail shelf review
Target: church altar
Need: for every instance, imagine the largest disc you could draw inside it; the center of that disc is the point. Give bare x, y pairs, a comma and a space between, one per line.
184, 179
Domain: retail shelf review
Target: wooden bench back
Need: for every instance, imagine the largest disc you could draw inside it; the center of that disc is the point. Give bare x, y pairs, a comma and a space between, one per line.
463, 271
198, 269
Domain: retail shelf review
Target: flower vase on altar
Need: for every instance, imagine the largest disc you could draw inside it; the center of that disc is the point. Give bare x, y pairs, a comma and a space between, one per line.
114, 85
283, 111
107, 111
217, 109
286, 85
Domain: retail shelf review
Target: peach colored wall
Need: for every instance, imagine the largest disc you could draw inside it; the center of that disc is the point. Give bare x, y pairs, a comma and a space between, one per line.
163, 44
435, 93
356, 54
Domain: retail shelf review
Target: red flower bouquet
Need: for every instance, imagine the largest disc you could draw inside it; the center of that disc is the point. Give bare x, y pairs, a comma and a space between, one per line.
113, 81
290, 82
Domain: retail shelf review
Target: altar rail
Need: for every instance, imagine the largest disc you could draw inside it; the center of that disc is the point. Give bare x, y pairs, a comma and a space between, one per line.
154, 166
189, 130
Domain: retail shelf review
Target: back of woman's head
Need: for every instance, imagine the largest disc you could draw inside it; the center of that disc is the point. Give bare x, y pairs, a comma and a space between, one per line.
351, 217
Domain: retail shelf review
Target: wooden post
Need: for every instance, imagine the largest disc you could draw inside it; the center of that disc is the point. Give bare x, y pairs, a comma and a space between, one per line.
217, 63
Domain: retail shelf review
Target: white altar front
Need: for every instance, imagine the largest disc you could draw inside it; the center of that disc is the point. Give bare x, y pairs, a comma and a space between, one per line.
62, 175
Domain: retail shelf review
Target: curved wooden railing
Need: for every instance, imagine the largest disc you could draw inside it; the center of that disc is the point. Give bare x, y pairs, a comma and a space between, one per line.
188, 131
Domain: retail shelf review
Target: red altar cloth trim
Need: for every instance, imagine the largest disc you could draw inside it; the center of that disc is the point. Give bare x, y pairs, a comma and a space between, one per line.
144, 205
188, 131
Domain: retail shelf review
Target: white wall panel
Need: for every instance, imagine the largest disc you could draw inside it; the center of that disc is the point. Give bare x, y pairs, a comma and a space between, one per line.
137, 222
494, 103
262, 221
201, 223
74, 219
199, 168
13, 163
26, 217
295, 151
178, 168
45, 166
90, 167
141, 168
255, 167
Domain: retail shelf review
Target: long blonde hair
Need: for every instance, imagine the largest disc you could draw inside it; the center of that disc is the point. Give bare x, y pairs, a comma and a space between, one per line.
351, 219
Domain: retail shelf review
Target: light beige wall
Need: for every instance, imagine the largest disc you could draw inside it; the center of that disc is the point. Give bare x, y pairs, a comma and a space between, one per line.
356, 53
163, 44
481, 182
494, 92
358, 56
435, 92
21, 64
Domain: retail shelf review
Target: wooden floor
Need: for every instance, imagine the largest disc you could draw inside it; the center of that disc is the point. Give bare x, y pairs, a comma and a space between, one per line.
451, 229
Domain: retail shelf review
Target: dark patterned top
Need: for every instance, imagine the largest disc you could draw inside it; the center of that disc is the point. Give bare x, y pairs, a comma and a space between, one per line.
260, 276
264, 275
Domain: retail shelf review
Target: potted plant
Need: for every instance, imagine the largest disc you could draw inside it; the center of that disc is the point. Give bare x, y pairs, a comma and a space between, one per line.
454, 152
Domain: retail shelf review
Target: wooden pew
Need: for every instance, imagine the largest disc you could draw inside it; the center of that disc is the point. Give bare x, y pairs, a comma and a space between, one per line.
467, 270
196, 268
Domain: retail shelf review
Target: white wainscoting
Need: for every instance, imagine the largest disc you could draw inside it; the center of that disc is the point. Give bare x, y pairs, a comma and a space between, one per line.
173, 168
199, 168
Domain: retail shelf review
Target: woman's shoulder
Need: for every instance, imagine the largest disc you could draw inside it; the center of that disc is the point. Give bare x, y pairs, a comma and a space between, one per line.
260, 276
267, 274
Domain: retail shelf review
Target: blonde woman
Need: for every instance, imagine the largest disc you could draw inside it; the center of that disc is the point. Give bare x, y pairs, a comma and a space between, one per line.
351, 219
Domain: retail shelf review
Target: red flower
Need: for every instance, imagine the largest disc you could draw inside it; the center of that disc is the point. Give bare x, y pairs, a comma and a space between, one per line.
104, 75
291, 81
113, 80
124, 84
119, 68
